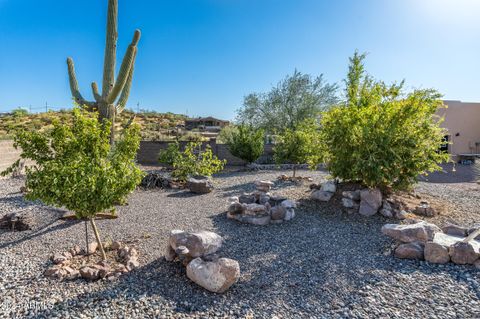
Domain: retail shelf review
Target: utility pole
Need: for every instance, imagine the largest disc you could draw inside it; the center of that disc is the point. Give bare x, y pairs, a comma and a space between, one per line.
30, 109
46, 107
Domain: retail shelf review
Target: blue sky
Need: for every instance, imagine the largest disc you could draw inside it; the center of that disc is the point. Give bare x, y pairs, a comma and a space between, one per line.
205, 55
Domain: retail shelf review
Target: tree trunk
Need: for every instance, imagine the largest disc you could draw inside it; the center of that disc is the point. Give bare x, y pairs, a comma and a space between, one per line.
294, 170
97, 236
86, 238
107, 112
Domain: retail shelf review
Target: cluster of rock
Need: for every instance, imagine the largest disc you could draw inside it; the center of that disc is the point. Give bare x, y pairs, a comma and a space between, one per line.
200, 184
270, 167
69, 265
285, 178
16, 221
198, 252
422, 240
366, 202
261, 207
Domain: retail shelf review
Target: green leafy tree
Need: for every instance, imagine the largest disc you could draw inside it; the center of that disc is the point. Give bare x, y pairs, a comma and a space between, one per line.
382, 136
296, 98
77, 168
195, 161
246, 143
301, 145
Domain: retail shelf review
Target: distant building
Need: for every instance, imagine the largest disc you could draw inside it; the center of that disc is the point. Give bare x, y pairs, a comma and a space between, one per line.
462, 121
210, 124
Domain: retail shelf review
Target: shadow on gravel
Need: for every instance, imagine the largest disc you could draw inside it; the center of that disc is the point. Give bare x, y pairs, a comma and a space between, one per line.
41, 227
183, 194
454, 174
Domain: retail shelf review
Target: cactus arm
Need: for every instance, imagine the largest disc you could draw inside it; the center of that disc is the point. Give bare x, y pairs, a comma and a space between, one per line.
110, 48
122, 102
125, 68
96, 95
77, 96
72, 77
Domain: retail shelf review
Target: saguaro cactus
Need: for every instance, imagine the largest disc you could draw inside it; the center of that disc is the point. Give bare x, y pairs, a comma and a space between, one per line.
115, 92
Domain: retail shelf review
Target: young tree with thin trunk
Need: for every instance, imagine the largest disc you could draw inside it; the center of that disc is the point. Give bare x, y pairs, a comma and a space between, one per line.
301, 145
77, 168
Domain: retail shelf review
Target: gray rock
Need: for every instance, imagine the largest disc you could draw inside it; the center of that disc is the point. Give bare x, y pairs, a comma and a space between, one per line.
353, 195
370, 201
329, 187
455, 230
236, 208
424, 209
465, 253
247, 198
278, 212
252, 219
198, 243
421, 232
349, 203
412, 250
200, 184
436, 253
321, 196
90, 273
215, 276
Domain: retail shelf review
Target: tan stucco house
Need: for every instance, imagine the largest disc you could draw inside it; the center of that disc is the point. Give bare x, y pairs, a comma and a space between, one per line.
462, 120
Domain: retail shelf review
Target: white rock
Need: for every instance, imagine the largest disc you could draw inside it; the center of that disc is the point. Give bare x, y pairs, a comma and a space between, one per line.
198, 243
215, 276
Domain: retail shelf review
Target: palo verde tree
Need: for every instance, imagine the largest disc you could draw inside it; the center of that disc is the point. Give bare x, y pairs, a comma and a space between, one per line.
246, 142
115, 92
296, 98
382, 136
300, 145
77, 168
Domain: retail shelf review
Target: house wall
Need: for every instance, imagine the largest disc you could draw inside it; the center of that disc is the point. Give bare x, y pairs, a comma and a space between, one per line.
462, 120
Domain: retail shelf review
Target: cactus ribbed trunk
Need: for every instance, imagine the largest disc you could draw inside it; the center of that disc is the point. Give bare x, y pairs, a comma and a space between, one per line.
115, 91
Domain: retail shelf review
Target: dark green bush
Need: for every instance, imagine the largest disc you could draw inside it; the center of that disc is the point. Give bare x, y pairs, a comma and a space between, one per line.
246, 143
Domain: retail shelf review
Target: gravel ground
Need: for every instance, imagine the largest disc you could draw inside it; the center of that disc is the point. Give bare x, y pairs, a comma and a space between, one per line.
322, 264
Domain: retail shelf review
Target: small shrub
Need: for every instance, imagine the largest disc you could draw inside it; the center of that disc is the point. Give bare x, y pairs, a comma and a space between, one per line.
382, 137
195, 161
246, 143
19, 112
169, 155
301, 145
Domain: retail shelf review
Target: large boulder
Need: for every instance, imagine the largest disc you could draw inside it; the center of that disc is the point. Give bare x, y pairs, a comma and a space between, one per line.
198, 243
321, 196
421, 231
370, 201
200, 184
215, 276
465, 253
409, 251
455, 230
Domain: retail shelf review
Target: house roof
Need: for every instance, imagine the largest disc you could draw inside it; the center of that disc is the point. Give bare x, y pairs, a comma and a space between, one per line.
202, 119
